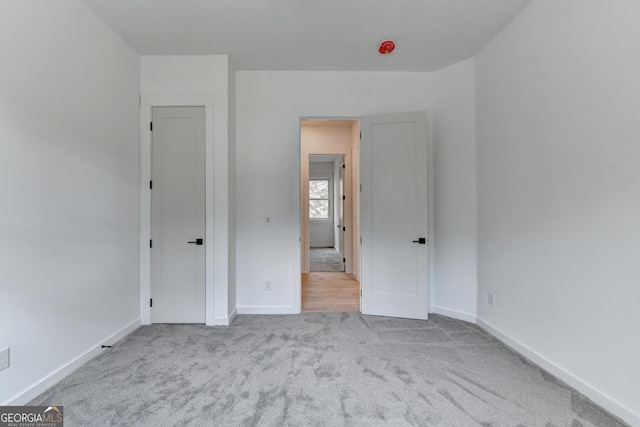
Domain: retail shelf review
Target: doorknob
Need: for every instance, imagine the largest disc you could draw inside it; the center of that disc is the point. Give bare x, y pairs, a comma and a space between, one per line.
421, 241
197, 242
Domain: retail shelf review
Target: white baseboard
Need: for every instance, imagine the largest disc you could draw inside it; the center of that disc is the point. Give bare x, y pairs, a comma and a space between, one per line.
452, 313
224, 321
267, 310
582, 386
48, 381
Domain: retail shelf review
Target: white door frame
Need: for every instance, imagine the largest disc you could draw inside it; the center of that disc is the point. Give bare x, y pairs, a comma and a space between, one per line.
310, 113
147, 102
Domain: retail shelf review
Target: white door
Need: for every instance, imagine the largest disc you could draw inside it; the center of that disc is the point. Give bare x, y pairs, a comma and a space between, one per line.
178, 215
393, 174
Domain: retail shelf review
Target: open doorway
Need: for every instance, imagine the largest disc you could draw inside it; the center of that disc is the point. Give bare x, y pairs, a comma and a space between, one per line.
330, 220
326, 214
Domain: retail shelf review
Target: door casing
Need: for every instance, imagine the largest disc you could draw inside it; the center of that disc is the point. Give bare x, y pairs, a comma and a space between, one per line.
341, 210
212, 228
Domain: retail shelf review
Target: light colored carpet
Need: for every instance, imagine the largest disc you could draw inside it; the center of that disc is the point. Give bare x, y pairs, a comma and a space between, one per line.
325, 260
318, 369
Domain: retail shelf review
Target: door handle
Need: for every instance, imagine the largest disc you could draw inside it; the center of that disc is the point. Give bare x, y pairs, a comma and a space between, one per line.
197, 242
421, 241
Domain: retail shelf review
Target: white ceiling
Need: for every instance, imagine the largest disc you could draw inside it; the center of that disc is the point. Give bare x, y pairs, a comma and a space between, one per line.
337, 35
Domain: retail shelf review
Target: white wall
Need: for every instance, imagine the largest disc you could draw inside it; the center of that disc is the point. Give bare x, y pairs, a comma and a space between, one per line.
322, 169
454, 164
231, 74
558, 147
205, 74
68, 190
270, 104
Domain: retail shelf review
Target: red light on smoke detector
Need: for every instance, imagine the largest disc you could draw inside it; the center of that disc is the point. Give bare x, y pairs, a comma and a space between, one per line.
386, 47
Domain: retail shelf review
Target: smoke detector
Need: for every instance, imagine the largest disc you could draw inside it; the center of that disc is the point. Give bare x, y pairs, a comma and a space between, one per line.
386, 47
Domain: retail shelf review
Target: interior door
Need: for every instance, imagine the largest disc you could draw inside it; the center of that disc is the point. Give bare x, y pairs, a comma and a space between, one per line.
393, 174
178, 215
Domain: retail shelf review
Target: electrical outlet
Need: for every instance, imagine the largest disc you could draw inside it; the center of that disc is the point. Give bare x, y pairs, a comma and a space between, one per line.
491, 299
4, 358
267, 285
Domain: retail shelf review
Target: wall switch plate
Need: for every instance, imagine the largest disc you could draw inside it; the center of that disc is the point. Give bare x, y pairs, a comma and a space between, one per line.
4, 358
267, 285
491, 299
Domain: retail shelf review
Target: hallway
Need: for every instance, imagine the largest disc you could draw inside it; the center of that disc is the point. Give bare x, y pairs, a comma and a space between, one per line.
325, 260
330, 292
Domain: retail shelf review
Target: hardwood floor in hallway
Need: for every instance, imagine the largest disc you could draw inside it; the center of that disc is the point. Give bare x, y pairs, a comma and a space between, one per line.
330, 292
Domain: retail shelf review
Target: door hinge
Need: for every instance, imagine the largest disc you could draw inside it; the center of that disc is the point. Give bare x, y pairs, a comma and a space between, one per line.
344, 260
150, 243
344, 197
150, 302
360, 134
360, 239
360, 293
344, 166
151, 126
344, 228
150, 185
360, 187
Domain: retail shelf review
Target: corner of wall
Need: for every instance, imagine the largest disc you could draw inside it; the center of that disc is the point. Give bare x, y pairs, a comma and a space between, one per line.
454, 165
